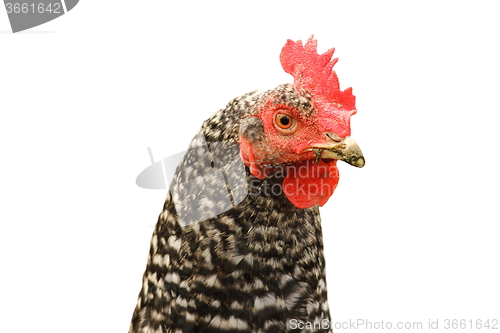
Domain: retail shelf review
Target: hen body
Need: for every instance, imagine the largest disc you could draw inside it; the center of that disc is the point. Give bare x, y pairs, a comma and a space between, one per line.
250, 269
231, 251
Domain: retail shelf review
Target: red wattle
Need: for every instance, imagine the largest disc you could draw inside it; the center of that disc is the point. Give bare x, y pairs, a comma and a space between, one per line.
307, 183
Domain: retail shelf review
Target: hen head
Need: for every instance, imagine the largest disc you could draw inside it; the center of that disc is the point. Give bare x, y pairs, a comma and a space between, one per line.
303, 127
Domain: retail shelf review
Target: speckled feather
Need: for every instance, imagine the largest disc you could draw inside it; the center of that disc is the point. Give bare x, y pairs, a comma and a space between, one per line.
252, 268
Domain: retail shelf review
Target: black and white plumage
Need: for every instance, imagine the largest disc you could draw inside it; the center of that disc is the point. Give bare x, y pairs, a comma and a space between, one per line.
230, 253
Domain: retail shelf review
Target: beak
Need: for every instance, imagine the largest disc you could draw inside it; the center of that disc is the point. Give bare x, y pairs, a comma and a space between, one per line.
346, 150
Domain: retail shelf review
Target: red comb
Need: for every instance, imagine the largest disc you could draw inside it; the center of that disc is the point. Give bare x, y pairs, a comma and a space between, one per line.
313, 72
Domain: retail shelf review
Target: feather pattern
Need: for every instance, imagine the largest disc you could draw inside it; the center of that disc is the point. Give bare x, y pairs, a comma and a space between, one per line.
252, 268
238, 246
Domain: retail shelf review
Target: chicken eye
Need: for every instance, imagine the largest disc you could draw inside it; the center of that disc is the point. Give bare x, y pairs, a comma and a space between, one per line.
283, 121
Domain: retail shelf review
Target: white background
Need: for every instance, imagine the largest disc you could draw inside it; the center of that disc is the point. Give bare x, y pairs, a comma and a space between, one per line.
412, 236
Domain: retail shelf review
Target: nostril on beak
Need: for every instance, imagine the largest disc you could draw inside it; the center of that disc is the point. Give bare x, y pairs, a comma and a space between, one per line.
332, 136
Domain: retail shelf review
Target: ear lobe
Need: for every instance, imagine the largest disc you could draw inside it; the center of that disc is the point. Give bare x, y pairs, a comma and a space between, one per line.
251, 134
252, 129
248, 158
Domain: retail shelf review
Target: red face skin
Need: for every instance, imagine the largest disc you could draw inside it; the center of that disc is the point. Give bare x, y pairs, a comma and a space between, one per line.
307, 183
286, 142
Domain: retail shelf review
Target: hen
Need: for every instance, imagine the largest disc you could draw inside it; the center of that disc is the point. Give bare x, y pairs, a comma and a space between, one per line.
238, 246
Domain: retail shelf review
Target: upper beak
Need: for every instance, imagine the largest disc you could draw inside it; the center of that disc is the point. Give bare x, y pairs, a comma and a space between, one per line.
346, 150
